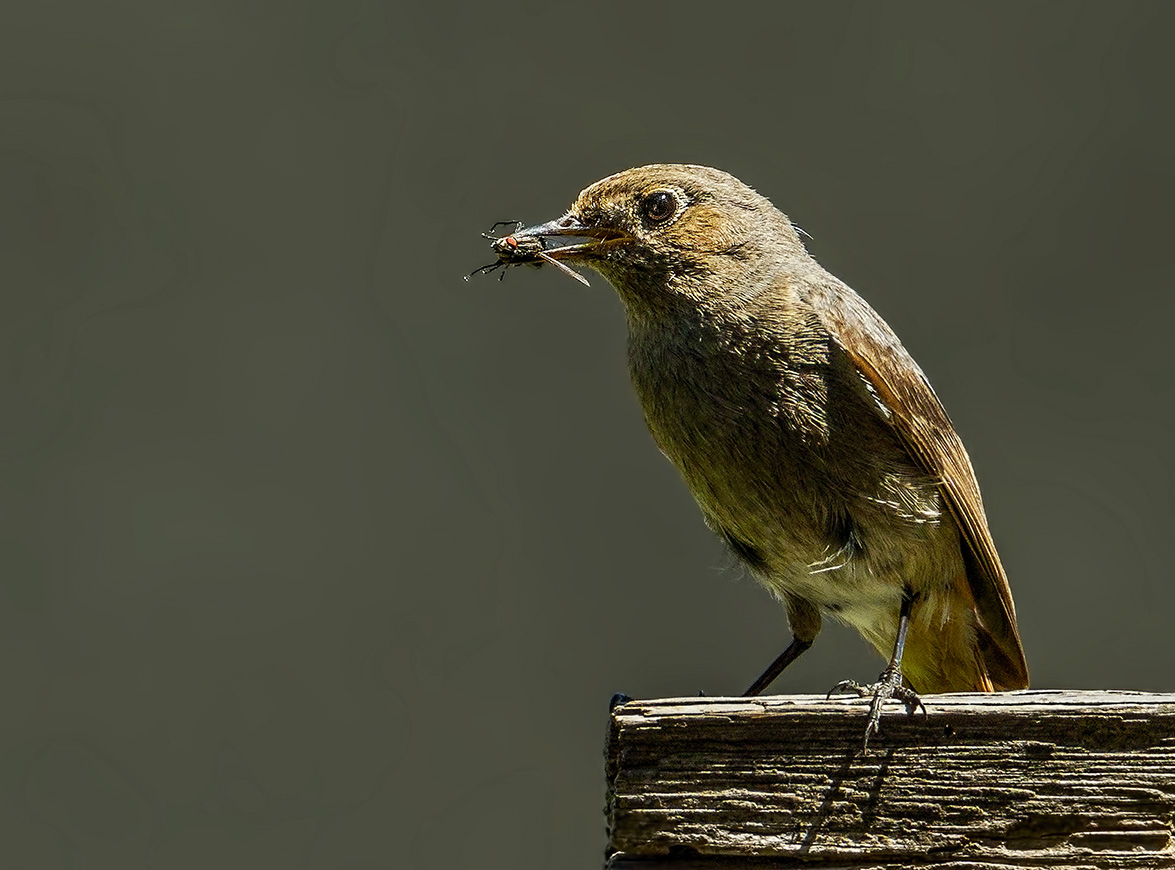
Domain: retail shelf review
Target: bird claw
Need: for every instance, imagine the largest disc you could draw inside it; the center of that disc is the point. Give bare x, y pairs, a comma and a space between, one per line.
888, 687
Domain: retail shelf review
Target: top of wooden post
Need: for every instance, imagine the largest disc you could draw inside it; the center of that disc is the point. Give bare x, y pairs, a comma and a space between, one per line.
1016, 779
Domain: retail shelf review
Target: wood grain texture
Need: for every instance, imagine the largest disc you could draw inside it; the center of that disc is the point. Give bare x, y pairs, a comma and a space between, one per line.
1018, 779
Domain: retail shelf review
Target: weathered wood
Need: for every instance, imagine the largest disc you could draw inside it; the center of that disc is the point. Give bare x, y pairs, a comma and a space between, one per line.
1011, 780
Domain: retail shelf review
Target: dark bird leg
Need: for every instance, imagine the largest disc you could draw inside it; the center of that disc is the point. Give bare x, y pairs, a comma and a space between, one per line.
785, 658
805, 622
889, 684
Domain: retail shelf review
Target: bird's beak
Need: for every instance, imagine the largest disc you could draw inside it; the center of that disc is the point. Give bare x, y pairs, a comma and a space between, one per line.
565, 238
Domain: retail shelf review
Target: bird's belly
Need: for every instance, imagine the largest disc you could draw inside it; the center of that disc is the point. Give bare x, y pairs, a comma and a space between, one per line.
864, 588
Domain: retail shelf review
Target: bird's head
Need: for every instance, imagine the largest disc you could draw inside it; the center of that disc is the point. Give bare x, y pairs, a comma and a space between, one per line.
671, 234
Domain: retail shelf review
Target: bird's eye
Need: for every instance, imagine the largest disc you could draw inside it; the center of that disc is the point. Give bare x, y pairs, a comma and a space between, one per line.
659, 206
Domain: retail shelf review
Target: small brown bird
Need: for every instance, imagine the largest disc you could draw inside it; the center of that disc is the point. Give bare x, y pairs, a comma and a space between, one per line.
809, 437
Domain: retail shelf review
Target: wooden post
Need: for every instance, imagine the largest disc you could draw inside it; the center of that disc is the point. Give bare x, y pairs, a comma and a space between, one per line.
1011, 780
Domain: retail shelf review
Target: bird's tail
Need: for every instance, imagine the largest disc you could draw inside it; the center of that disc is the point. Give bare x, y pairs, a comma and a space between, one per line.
1000, 672
952, 655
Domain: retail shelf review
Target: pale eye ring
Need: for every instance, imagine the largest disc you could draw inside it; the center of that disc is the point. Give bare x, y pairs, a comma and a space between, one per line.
658, 206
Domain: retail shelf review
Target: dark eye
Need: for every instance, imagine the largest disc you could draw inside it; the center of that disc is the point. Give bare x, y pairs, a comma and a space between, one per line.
659, 206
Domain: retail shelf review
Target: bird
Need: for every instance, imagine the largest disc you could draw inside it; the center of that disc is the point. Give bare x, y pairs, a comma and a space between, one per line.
810, 439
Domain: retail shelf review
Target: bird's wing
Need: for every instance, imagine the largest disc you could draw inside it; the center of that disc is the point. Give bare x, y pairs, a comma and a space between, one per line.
921, 422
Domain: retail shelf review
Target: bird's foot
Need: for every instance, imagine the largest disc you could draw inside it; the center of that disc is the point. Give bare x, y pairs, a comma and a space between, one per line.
888, 686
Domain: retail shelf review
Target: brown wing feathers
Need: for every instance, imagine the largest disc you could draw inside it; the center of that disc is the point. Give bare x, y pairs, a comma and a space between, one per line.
920, 420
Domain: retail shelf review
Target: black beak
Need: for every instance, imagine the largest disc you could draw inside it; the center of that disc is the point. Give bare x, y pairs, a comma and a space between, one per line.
563, 238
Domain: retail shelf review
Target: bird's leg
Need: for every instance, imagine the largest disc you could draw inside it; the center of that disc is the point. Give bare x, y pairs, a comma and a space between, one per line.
785, 658
889, 684
805, 621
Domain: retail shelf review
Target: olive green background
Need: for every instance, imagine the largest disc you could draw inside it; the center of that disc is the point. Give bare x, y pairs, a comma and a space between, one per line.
315, 555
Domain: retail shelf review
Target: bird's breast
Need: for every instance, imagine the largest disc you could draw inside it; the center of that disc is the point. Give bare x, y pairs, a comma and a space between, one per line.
746, 426
791, 461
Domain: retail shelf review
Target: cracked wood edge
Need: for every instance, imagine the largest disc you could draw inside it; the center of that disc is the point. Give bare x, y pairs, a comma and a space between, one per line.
1019, 779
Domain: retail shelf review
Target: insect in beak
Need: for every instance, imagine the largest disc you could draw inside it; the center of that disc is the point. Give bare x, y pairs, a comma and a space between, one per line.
527, 249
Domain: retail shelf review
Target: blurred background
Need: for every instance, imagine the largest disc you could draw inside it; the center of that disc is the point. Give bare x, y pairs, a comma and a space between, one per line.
316, 555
